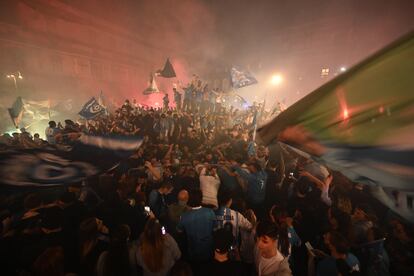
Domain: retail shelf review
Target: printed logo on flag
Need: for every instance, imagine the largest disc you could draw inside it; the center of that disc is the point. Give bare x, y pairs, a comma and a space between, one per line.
240, 78
91, 109
43, 169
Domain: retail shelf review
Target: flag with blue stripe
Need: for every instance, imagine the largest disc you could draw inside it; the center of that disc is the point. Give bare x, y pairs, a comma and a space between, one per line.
92, 109
241, 78
50, 167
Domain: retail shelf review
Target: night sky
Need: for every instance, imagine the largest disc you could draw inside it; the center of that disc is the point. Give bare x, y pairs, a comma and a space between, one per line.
295, 38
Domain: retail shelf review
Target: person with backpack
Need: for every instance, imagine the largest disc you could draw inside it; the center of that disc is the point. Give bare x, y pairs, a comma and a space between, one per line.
226, 216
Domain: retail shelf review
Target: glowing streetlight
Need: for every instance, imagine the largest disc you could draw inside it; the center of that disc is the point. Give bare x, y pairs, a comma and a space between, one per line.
15, 76
345, 114
276, 80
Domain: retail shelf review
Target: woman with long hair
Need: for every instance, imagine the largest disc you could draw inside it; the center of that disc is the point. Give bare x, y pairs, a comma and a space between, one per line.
157, 251
119, 259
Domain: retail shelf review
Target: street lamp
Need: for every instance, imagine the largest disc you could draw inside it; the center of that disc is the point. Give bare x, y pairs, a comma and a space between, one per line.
276, 80
15, 76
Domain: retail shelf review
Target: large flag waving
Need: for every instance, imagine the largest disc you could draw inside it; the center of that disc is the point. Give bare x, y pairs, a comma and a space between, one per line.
50, 167
240, 78
92, 109
362, 124
168, 70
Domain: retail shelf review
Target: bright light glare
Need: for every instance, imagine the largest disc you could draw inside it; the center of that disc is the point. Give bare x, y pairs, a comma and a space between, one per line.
346, 114
343, 69
276, 80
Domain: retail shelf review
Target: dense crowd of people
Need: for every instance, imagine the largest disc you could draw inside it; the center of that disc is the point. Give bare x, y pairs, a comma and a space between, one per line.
199, 197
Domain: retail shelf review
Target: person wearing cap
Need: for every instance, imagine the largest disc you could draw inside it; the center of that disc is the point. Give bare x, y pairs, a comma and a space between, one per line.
222, 264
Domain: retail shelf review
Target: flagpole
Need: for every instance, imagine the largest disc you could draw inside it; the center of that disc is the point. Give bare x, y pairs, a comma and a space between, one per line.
49, 109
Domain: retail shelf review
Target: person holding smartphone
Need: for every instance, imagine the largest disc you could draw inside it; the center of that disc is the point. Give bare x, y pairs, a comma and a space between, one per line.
157, 251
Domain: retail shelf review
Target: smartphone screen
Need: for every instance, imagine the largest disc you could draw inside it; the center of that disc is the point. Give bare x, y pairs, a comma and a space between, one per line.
308, 246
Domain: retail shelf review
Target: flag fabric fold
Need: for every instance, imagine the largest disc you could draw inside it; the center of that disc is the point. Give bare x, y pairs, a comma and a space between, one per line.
241, 78
16, 111
152, 86
92, 109
168, 70
361, 123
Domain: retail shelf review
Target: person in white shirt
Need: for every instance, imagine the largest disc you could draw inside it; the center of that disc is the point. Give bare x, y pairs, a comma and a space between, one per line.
51, 132
209, 184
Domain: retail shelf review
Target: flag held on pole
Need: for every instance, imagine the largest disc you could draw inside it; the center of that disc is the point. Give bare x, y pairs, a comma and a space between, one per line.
92, 109
16, 111
241, 78
168, 70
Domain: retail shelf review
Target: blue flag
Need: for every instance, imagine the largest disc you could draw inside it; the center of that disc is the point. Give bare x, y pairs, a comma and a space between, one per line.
50, 167
16, 111
92, 109
240, 78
